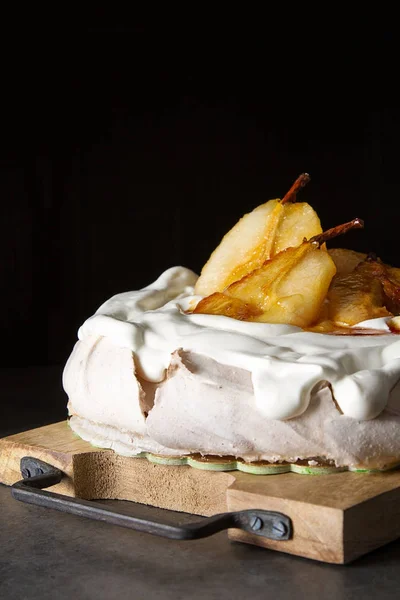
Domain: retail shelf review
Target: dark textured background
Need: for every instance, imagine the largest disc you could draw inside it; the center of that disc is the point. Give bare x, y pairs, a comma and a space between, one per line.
126, 151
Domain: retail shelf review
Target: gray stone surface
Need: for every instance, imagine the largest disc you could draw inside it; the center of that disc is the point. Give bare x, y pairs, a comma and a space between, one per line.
50, 555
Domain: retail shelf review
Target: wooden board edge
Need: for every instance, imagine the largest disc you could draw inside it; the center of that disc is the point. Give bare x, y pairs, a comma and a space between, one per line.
371, 524
103, 474
317, 530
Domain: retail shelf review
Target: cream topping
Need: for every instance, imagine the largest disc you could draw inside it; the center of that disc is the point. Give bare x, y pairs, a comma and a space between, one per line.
285, 362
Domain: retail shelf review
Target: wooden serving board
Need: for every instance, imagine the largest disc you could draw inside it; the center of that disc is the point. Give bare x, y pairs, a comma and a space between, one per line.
336, 518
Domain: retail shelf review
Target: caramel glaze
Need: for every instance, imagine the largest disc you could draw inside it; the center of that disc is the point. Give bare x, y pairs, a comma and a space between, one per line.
330, 328
393, 329
359, 331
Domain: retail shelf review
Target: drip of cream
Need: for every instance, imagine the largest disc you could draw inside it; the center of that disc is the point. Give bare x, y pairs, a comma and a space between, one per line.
285, 362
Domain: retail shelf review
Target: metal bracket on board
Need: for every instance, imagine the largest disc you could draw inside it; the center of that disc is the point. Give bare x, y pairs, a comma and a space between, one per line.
38, 475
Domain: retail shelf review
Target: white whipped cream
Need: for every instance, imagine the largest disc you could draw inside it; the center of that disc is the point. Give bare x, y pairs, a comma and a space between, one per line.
285, 362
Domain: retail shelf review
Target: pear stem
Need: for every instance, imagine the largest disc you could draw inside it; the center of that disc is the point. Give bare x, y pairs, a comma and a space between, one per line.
338, 230
300, 182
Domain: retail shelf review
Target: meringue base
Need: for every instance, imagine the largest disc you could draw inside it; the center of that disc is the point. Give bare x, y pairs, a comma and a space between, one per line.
101, 436
209, 408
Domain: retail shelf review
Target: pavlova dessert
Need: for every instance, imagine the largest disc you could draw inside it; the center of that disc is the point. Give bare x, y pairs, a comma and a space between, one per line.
283, 355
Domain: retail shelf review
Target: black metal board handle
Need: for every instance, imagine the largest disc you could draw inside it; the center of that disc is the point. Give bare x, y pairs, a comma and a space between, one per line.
38, 475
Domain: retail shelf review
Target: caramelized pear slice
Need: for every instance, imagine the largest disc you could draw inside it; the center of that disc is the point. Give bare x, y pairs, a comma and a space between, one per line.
299, 222
394, 274
258, 236
345, 260
390, 280
289, 288
242, 249
221, 304
359, 295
